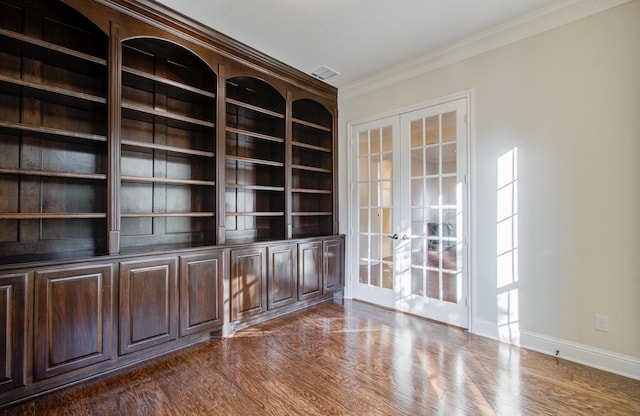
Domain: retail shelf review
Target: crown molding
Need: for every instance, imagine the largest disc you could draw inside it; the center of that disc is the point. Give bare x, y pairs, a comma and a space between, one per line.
544, 19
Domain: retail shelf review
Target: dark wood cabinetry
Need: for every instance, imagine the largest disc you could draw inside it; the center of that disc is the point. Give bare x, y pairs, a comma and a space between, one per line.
248, 282
167, 190
333, 264
312, 169
53, 126
73, 318
159, 183
309, 269
254, 161
148, 303
13, 330
283, 270
201, 296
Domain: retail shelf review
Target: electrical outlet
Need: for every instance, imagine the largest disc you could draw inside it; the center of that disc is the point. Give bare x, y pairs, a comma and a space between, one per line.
602, 323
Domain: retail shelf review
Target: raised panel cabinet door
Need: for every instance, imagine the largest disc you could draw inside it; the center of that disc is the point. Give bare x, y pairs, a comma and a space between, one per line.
148, 303
13, 327
201, 292
283, 272
73, 318
333, 256
248, 281
309, 269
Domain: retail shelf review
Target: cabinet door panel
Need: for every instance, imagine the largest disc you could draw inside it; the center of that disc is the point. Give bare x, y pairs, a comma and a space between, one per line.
148, 303
309, 269
248, 279
73, 318
333, 253
201, 292
12, 330
283, 271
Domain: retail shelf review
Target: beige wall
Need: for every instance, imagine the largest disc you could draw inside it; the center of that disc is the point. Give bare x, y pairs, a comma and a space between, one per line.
569, 100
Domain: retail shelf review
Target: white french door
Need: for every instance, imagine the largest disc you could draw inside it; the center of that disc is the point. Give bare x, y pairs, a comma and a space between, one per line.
410, 221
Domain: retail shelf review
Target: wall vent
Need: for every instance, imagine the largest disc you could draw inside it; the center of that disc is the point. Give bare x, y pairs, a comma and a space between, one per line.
324, 72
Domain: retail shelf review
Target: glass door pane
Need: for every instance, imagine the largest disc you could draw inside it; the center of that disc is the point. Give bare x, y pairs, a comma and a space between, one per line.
375, 212
435, 266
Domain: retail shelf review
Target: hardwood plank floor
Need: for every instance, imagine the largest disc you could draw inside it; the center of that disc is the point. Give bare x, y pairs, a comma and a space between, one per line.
348, 358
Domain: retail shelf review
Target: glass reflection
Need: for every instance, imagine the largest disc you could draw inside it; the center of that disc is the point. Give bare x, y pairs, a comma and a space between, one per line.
363, 270
416, 162
432, 193
363, 194
417, 252
387, 166
417, 281
449, 131
387, 221
432, 130
417, 199
416, 133
387, 275
364, 220
450, 287
449, 191
387, 139
375, 274
364, 247
374, 142
363, 169
432, 163
433, 284
363, 143
449, 162
386, 193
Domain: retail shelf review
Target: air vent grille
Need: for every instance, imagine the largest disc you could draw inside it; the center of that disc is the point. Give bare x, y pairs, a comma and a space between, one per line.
324, 72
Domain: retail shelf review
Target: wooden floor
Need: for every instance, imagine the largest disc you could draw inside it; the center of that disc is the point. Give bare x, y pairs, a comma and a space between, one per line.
350, 359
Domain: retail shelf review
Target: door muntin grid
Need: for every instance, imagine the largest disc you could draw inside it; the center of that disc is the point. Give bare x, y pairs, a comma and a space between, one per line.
375, 211
436, 209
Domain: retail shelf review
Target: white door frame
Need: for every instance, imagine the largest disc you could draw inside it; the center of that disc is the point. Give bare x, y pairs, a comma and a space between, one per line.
351, 265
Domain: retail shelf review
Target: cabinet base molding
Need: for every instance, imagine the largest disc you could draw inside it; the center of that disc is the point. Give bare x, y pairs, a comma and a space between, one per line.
230, 329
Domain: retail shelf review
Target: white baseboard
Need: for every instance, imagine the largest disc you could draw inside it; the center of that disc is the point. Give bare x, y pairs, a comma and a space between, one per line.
582, 354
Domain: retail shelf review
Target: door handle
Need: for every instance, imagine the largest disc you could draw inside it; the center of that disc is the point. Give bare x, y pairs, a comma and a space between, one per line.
397, 237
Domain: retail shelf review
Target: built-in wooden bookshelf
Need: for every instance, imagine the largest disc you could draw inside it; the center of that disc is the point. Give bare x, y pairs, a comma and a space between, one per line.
168, 146
254, 161
53, 126
312, 190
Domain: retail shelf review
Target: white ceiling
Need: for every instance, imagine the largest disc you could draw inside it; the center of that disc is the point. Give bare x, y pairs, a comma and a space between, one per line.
357, 38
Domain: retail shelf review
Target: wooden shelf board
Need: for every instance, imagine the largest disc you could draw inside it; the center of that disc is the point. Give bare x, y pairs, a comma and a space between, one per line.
52, 47
51, 216
52, 93
310, 124
254, 108
254, 161
311, 168
173, 149
148, 179
54, 174
167, 214
311, 147
54, 132
255, 135
311, 191
255, 187
254, 214
168, 82
167, 115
